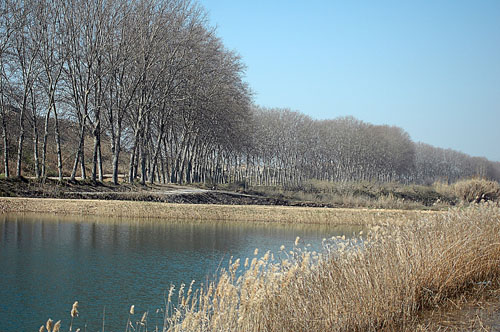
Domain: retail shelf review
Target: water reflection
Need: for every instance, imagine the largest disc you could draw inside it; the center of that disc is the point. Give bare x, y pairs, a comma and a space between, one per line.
47, 263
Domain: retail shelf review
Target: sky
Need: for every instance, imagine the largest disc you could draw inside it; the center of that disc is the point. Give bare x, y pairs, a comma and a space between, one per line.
431, 67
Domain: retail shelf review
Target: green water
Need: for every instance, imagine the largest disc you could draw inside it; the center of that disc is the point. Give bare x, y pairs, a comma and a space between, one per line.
46, 264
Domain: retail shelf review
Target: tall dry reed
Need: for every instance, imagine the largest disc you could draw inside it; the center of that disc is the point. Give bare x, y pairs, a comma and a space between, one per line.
378, 284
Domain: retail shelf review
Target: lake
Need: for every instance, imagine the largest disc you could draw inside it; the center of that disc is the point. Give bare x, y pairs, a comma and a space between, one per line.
47, 263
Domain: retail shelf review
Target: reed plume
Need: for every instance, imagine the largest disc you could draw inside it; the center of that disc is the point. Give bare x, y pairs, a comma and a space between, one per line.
74, 310
130, 313
143, 319
57, 326
49, 325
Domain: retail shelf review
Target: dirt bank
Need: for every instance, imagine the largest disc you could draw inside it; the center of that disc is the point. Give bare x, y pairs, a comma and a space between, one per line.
172, 211
168, 193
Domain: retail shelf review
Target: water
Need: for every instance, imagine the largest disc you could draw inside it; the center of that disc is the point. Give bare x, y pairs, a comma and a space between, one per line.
47, 263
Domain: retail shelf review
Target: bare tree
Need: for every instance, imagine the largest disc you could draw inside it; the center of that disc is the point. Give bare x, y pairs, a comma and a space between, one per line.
26, 48
83, 70
121, 81
8, 12
52, 58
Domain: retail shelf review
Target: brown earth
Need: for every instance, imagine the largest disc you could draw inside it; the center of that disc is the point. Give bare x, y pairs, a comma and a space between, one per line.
168, 193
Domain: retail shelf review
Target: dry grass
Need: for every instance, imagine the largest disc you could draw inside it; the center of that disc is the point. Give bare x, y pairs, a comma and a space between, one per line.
475, 310
468, 191
477, 190
379, 284
363, 194
209, 212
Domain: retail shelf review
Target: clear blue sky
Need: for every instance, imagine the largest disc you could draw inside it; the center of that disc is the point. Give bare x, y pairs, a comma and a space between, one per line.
431, 67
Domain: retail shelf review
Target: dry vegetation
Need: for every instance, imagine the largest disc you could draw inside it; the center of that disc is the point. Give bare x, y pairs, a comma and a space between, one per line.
475, 310
382, 283
389, 195
386, 195
373, 195
208, 212
477, 190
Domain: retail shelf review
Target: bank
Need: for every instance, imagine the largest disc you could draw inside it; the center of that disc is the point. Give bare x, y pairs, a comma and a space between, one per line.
210, 212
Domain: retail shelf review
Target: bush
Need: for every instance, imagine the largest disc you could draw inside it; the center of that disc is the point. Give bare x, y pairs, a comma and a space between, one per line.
477, 190
367, 194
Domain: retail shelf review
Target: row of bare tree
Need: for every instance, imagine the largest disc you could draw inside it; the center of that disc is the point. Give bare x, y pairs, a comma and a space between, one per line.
148, 75
289, 147
85, 82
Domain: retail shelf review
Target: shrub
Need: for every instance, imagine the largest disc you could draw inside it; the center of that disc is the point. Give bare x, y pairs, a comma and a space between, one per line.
477, 190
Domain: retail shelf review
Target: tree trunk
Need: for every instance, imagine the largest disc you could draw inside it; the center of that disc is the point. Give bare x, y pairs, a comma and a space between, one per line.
99, 160
94, 158
35, 135
44, 144
143, 155
20, 142
165, 162
79, 154
35, 148
58, 145
82, 161
116, 155
131, 173
162, 170
5, 143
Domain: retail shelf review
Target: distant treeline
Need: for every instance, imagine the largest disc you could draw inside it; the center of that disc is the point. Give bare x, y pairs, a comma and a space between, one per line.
146, 88
288, 147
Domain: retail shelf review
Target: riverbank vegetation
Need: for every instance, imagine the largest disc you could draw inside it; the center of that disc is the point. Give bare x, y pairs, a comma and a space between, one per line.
386, 195
391, 280
146, 91
313, 193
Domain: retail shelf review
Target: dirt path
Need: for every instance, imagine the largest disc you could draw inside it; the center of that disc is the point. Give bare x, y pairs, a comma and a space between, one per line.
169, 192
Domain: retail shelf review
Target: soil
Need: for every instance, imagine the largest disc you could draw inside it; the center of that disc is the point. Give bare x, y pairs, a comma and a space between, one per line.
50, 188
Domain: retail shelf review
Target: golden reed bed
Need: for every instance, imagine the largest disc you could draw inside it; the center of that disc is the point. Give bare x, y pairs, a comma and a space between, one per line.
177, 212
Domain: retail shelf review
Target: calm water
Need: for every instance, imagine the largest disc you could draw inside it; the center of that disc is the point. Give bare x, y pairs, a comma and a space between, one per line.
46, 264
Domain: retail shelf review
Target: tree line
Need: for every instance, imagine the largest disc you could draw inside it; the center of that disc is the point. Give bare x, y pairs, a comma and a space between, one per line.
289, 147
146, 89
150, 76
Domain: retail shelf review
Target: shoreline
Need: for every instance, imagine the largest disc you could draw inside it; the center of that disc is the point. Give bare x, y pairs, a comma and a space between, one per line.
210, 212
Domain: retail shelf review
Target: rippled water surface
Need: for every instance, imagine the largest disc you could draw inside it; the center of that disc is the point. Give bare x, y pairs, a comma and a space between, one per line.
107, 265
